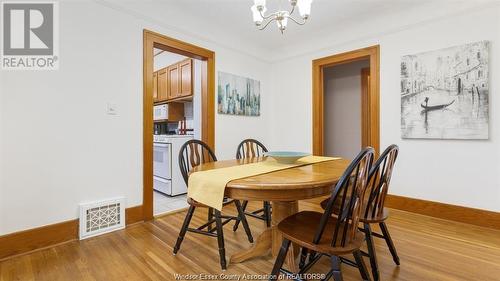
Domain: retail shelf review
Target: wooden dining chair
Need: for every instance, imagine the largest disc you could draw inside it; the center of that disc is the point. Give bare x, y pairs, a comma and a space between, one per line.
375, 212
323, 233
191, 154
250, 148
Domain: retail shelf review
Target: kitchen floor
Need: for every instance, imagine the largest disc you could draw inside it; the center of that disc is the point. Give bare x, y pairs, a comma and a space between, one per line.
164, 204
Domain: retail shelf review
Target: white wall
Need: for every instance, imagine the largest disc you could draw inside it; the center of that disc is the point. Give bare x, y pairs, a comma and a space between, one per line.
342, 109
58, 146
452, 171
2, 149
232, 129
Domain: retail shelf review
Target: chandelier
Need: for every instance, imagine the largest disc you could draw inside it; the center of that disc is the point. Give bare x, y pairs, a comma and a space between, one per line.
281, 17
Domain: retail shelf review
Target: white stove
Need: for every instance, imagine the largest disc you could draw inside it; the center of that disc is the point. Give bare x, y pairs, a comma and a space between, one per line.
167, 176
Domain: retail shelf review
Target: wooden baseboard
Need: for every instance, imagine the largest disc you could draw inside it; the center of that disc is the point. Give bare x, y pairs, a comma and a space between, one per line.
134, 214
445, 211
36, 238
41, 237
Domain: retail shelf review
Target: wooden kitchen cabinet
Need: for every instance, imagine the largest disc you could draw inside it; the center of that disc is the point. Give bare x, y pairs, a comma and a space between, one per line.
175, 111
162, 85
155, 86
174, 83
185, 78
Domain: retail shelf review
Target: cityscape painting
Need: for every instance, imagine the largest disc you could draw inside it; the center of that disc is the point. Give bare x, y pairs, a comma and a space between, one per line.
444, 93
238, 95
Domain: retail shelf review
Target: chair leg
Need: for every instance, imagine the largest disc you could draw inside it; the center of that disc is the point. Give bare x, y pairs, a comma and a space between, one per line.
303, 257
280, 259
267, 213
220, 239
361, 266
390, 244
312, 255
328, 275
237, 223
184, 228
244, 205
336, 272
242, 217
210, 216
371, 251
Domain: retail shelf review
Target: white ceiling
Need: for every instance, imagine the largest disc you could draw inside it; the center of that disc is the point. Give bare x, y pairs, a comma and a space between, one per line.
234, 16
229, 22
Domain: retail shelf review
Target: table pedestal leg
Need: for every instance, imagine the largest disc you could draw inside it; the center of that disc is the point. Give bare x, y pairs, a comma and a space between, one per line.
282, 210
271, 238
260, 248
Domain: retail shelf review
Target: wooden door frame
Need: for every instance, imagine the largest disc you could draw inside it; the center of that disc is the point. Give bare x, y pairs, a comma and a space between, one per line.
153, 40
373, 55
365, 109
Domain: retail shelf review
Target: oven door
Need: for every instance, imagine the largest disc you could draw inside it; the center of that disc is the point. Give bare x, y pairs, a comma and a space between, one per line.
162, 160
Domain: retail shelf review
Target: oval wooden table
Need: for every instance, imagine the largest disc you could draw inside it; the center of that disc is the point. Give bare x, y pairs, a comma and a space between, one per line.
283, 188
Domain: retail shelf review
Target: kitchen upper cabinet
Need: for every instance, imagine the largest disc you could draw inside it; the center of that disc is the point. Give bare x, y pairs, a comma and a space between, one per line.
155, 86
186, 78
162, 85
175, 82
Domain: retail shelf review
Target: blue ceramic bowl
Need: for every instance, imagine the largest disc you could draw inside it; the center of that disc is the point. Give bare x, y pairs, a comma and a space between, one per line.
286, 157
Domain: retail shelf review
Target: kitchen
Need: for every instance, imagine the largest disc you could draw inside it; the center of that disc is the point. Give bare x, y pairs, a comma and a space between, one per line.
177, 119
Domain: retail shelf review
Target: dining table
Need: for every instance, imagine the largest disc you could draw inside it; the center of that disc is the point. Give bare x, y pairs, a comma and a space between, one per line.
283, 188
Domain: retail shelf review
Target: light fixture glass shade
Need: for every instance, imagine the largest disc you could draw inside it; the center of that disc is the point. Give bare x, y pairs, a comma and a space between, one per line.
282, 23
257, 17
259, 3
304, 8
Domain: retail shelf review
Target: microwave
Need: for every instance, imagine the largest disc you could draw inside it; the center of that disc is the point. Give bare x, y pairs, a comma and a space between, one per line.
160, 112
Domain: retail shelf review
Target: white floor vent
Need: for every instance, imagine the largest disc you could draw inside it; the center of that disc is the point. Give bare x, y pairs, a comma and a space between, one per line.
101, 217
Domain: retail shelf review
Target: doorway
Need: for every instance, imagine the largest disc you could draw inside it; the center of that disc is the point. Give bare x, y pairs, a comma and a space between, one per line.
154, 43
370, 123
344, 105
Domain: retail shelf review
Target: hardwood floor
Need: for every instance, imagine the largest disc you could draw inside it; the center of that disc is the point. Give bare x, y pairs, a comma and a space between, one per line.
429, 248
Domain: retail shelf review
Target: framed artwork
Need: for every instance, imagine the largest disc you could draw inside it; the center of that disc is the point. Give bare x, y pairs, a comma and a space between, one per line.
237, 95
445, 93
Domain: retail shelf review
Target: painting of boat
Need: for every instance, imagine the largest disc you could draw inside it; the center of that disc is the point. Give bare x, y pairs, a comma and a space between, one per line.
445, 93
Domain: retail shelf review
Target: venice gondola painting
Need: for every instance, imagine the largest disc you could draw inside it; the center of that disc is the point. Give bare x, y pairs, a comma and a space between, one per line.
444, 93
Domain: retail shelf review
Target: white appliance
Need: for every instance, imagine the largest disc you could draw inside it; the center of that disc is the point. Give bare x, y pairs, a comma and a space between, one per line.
167, 175
162, 167
160, 112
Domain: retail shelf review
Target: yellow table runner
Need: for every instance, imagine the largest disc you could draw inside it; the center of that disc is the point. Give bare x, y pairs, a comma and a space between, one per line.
208, 187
